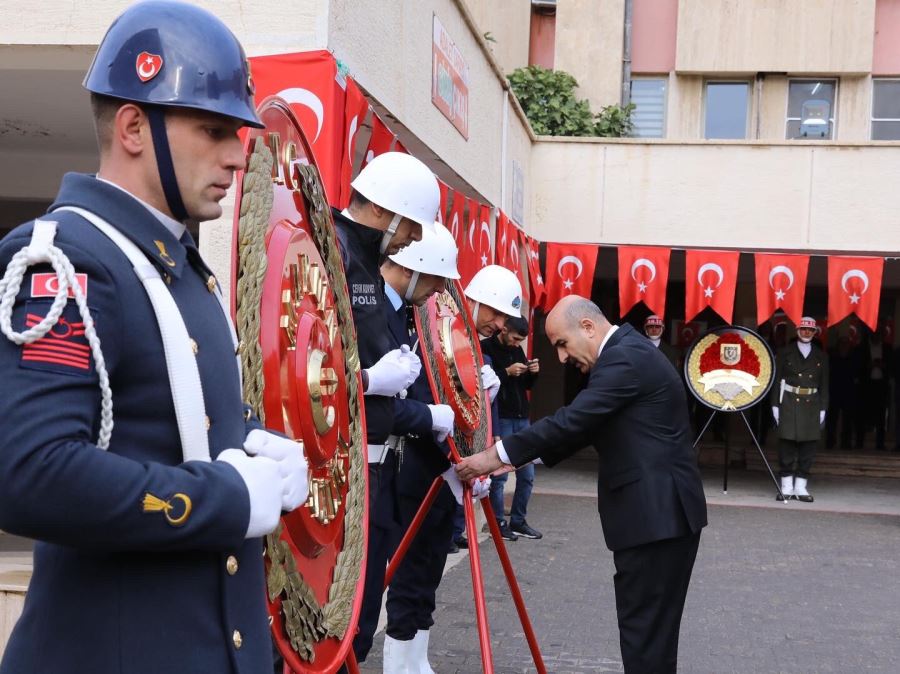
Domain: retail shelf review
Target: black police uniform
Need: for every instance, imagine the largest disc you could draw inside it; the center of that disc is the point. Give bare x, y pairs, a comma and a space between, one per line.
117, 587
360, 252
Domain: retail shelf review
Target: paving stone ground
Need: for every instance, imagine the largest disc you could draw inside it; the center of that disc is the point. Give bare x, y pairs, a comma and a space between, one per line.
773, 590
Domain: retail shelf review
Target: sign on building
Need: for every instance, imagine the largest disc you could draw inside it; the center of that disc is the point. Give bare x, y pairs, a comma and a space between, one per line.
449, 79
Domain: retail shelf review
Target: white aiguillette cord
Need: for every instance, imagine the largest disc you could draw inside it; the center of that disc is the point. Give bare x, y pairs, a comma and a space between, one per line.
184, 376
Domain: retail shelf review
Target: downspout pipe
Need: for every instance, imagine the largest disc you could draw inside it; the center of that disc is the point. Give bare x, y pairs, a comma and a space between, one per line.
626, 53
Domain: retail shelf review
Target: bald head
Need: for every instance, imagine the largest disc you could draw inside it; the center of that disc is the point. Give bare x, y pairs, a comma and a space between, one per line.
576, 328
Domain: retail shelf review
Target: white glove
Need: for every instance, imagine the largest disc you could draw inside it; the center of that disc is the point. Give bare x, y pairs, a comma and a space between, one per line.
259, 475
490, 382
442, 418
821, 417
452, 480
396, 370
481, 488
775, 412
292, 465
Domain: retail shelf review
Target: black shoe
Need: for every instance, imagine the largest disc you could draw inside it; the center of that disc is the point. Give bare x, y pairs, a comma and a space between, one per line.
526, 531
805, 499
461, 542
454, 548
506, 532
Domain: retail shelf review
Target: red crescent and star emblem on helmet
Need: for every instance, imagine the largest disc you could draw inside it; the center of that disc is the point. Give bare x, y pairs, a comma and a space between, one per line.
148, 66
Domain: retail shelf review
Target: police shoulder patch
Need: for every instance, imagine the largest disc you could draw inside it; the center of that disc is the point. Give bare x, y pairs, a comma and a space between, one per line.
64, 348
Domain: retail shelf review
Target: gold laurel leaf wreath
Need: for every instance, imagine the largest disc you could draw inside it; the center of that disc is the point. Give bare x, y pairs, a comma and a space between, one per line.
743, 399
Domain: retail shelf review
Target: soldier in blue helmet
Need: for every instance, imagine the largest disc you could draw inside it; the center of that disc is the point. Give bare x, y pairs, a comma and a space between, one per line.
126, 450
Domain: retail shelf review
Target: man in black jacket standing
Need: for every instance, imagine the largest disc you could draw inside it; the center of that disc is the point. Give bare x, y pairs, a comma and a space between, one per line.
517, 375
650, 495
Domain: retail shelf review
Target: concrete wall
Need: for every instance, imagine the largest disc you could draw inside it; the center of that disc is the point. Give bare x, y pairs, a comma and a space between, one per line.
589, 36
509, 24
795, 36
753, 196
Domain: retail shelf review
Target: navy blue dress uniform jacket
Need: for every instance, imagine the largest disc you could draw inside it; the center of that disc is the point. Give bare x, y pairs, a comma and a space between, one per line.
634, 412
117, 588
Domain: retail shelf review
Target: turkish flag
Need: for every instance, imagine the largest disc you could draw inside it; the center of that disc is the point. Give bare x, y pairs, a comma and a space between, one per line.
381, 140
456, 218
854, 286
537, 288
643, 276
570, 270
475, 251
780, 284
687, 331
400, 147
507, 247
445, 195
309, 83
710, 278
357, 107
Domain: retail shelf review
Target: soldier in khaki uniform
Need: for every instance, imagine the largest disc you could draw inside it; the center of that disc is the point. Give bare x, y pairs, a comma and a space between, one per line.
799, 400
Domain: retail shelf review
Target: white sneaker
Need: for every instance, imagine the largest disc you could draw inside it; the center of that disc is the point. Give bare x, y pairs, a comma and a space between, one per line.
787, 488
398, 656
420, 653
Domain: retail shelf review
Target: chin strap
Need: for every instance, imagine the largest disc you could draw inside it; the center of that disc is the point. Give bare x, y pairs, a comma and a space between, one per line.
164, 163
411, 288
389, 232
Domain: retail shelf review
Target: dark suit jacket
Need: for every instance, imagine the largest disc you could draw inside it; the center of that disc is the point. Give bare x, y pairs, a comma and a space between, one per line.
634, 412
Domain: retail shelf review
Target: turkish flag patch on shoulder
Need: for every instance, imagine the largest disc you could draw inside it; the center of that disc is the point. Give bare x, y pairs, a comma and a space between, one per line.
47, 285
64, 348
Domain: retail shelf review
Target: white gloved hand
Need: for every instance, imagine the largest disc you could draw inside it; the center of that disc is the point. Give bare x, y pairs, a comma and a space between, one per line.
442, 418
481, 487
821, 417
490, 382
260, 475
452, 480
292, 465
395, 371
775, 411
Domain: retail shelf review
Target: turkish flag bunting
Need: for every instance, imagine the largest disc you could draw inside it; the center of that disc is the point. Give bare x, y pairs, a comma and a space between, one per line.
456, 218
538, 291
400, 147
643, 276
475, 251
381, 140
508, 247
357, 107
710, 278
308, 82
780, 284
445, 195
854, 286
570, 271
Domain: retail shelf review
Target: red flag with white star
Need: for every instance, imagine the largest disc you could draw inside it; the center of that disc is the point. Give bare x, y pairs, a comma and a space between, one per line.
570, 270
643, 275
475, 248
507, 248
854, 286
357, 107
537, 289
780, 284
456, 218
381, 140
445, 196
710, 279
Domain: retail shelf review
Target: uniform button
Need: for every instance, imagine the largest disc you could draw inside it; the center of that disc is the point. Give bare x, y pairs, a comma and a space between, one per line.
247, 414
237, 639
211, 283
231, 565
194, 347
208, 423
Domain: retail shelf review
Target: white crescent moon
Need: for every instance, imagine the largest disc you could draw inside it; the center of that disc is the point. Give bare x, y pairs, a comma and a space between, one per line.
147, 74
643, 262
454, 226
350, 134
781, 269
569, 259
471, 234
305, 97
485, 229
514, 252
855, 273
711, 266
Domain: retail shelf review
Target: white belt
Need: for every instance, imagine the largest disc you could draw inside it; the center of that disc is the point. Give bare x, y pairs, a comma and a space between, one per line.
800, 390
378, 453
184, 376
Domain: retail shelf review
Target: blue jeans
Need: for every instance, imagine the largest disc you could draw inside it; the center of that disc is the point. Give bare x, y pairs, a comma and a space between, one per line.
524, 480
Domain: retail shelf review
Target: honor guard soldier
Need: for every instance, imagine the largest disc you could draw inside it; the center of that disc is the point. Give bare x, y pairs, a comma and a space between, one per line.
126, 450
394, 198
799, 400
411, 277
653, 328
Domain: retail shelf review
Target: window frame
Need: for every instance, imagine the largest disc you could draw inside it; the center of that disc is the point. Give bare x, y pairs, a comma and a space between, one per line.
665, 108
749, 105
834, 108
873, 118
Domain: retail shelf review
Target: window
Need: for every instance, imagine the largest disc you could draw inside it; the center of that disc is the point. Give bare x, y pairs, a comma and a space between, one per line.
885, 109
726, 109
649, 116
810, 112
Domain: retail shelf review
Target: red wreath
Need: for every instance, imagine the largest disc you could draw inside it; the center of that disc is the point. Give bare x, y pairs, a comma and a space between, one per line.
712, 356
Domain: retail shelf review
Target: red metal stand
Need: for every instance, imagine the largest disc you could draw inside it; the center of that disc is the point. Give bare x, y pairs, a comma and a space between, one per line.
484, 631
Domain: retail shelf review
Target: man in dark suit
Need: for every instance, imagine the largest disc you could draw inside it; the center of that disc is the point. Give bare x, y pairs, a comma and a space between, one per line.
650, 495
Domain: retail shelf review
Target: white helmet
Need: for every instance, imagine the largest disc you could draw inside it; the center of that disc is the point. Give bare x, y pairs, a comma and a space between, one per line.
403, 185
435, 254
497, 287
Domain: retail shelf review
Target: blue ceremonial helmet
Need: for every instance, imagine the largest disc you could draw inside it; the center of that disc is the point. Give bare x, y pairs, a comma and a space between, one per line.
162, 54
